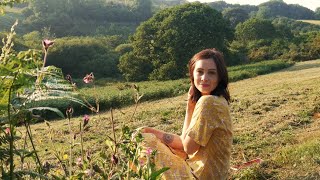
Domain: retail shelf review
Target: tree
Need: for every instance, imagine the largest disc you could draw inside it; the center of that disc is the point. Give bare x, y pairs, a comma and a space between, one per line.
317, 13
275, 8
168, 40
235, 15
255, 29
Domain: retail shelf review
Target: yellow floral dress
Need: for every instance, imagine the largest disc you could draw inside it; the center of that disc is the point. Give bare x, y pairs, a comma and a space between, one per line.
211, 128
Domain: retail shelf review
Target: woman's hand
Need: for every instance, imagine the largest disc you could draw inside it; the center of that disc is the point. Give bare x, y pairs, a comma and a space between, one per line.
190, 104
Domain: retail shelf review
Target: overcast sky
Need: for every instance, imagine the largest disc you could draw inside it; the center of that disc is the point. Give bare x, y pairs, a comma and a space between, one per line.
311, 4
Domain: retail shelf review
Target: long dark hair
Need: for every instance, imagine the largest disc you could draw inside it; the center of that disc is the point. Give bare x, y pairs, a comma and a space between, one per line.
222, 87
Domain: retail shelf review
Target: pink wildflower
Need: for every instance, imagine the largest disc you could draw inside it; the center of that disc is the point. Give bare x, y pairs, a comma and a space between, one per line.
7, 131
47, 43
85, 120
88, 78
149, 151
79, 162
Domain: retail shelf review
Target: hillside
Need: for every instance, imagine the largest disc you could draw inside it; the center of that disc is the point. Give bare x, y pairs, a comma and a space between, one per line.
276, 118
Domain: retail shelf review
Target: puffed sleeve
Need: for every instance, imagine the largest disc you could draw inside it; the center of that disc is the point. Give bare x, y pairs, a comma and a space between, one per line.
207, 116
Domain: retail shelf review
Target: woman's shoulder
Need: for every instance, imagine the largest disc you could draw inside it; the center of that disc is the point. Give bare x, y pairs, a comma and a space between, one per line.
212, 99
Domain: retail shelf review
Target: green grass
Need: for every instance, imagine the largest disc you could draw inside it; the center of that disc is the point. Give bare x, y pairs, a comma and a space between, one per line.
251, 70
265, 111
120, 94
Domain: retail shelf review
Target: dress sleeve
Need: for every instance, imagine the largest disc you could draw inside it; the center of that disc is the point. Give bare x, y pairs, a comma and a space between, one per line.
205, 118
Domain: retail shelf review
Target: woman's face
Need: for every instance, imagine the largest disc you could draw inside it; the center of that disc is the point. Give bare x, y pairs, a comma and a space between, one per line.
205, 76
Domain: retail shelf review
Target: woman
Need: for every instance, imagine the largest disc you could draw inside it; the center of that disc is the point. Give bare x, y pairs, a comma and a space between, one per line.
204, 147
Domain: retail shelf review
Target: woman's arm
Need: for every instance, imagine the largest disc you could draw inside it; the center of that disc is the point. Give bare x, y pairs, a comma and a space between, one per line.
189, 111
174, 141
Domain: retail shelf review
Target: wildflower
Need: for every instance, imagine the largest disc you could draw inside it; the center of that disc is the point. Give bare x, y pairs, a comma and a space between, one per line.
85, 120
89, 172
79, 162
142, 162
65, 157
47, 43
69, 111
7, 131
149, 151
114, 159
88, 78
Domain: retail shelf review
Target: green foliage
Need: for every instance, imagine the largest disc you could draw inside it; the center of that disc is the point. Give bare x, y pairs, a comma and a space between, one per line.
255, 29
317, 13
79, 56
272, 9
222, 5
235, 15
294, 26
167, 41
100, 16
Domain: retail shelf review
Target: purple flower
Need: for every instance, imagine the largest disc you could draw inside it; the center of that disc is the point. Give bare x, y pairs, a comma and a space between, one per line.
88, 78
47, 43
85, 120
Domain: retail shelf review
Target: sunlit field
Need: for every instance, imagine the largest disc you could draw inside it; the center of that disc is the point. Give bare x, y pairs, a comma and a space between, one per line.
276, 118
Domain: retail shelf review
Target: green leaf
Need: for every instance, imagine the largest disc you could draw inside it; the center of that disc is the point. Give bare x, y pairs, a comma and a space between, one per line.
155, 174
50, 109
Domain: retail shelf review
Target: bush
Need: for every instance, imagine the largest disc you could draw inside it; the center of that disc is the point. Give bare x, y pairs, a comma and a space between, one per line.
79, 56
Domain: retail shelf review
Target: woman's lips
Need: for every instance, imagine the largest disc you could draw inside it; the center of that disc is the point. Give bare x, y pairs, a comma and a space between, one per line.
205, 85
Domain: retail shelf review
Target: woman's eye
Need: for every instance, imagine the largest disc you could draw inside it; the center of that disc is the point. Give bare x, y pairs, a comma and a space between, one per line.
212, 72
200, 72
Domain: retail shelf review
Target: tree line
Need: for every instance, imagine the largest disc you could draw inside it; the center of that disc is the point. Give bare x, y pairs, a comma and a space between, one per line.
154, 39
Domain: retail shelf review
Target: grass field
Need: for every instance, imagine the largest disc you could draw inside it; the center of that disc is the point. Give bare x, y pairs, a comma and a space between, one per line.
276, 118
316, 22
119, 94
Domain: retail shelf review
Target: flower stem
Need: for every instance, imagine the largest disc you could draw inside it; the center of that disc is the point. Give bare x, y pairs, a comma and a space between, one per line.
35, 152
70, 151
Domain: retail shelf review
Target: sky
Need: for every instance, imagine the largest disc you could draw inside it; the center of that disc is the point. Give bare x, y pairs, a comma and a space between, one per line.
311, 4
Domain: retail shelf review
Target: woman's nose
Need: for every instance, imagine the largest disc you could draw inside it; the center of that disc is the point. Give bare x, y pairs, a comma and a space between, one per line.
204, 77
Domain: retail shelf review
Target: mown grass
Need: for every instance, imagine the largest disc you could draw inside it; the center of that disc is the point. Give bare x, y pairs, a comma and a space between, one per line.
120, 94
316, 22
276, 118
